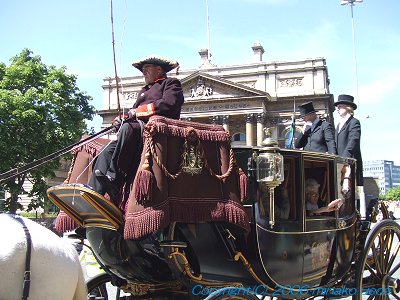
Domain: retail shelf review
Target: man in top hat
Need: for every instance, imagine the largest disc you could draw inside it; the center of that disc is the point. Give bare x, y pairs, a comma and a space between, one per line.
348, 133
318, 135
118, 162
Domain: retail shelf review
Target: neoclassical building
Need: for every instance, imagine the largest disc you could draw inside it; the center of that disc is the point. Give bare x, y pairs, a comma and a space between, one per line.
244, 98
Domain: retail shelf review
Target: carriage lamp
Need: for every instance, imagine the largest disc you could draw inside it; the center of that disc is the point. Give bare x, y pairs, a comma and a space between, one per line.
270, 171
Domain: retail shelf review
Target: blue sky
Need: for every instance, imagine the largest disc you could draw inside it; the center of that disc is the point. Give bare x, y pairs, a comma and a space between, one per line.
77, 34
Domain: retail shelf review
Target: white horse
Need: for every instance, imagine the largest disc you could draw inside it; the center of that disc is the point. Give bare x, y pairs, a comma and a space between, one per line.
56, 272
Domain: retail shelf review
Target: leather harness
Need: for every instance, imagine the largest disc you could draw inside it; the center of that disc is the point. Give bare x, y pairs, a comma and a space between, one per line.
27, 274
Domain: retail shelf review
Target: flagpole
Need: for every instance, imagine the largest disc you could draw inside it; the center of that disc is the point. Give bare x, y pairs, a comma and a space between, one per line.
208, 32
294, 120
290, 142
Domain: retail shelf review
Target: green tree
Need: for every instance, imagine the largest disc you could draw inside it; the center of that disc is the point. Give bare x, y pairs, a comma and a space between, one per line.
41, 111
393, 194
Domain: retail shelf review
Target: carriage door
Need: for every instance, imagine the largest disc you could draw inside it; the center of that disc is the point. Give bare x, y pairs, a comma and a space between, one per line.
319, 226
346, 215
281, 244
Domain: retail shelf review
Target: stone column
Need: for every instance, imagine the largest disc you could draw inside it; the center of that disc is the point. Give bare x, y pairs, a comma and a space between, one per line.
249, 129
225, 122
260, 127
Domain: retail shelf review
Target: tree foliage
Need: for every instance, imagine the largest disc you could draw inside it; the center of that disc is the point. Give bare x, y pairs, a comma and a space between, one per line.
41, 111
393, 194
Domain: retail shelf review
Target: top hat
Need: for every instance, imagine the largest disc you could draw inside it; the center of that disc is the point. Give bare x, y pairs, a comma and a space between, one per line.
346, 100
163, 62
306, 108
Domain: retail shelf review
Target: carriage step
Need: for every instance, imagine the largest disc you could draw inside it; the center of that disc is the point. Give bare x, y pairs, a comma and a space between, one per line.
86, 207
176, 244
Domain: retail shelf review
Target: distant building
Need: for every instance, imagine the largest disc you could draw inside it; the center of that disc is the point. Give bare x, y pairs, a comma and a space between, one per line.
385, 171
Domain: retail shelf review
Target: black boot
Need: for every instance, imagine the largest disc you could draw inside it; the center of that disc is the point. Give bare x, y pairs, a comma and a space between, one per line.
111, 188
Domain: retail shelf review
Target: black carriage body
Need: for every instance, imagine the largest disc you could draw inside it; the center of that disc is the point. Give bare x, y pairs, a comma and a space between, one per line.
300, 251
297, 254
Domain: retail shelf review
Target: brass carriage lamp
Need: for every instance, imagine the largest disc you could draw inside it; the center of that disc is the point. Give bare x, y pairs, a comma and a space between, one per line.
270, 171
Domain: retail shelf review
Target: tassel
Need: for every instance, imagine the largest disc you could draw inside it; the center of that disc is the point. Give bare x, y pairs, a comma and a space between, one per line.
64, 223
144, 183
243, 185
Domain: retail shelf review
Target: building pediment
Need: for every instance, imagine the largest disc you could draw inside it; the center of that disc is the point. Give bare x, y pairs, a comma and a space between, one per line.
200, 86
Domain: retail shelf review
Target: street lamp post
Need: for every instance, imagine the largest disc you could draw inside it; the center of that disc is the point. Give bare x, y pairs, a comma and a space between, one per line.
351, 3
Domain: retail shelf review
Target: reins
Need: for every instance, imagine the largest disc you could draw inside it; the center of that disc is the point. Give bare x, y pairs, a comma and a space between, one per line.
27, 273
20, 170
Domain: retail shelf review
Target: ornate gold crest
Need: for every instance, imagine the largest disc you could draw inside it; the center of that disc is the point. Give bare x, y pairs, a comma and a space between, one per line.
192, 154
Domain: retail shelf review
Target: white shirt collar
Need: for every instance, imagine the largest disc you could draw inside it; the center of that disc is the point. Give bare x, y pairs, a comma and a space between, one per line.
343, 120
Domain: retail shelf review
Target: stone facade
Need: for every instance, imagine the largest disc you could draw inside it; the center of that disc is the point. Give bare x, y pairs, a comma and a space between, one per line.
244, 98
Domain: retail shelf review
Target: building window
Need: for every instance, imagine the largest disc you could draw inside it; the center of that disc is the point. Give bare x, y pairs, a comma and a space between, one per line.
239, 137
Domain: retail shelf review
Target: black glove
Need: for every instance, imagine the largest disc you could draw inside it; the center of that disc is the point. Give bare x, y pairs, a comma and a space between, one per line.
132, 113
118, 120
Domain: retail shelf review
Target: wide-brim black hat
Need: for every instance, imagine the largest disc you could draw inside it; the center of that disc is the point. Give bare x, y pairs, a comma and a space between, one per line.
165, 63
346, 100
306, 108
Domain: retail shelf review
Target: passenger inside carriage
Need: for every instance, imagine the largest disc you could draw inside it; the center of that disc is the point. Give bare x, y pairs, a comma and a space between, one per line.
314, 205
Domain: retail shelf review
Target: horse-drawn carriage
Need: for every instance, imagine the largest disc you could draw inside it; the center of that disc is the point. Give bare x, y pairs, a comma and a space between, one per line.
203, 219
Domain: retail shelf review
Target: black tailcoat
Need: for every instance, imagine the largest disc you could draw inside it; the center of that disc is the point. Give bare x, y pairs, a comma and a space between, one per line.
348, 141
319, 137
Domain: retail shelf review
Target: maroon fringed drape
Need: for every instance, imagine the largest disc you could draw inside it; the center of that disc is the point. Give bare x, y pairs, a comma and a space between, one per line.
212, 195
79, 173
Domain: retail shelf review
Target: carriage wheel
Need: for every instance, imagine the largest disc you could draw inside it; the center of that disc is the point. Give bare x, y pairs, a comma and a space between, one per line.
378, 270
99, 287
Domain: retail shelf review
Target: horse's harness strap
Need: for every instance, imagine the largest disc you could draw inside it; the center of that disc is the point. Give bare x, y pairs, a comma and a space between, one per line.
27, 274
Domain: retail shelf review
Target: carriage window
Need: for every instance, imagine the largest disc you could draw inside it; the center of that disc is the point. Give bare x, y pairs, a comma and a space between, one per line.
317, 192
284, 200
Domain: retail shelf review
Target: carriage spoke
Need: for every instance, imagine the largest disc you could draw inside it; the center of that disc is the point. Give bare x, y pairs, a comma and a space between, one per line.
375, 253
393, 257
381, 254
372, 272
395, 296
387, 249
394, 270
